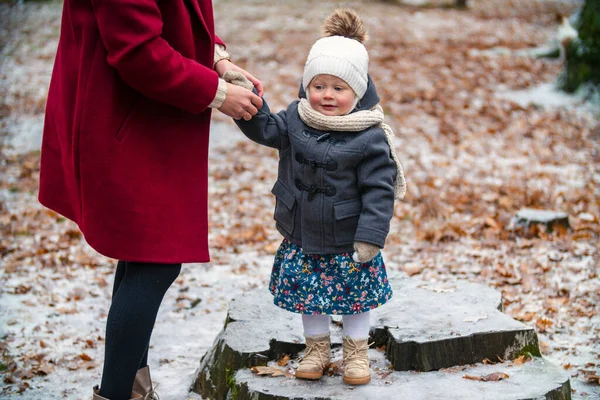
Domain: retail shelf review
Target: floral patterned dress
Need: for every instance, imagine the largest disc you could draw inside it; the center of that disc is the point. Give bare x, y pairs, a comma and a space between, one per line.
327, 284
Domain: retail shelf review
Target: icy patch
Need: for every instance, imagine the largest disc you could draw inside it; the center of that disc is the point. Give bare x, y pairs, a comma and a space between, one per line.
223, 135
546, 95
24, 134
505, 51
414, 2
544, 216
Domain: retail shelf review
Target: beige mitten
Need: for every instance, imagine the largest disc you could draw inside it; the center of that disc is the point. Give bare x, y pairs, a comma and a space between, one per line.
364, 252
237, 78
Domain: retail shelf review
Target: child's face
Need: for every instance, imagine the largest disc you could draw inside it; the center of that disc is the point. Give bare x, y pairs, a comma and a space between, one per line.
330, 95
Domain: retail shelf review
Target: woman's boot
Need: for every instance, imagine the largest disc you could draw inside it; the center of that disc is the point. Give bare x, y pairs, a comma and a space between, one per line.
143, 384
317, 358
356, 361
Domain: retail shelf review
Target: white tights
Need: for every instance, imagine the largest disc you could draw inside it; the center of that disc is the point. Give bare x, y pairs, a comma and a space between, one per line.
356, 326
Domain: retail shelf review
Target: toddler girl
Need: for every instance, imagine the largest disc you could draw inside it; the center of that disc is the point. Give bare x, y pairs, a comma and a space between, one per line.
337, 180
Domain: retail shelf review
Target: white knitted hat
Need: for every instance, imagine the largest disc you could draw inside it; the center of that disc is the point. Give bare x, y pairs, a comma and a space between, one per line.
341, 53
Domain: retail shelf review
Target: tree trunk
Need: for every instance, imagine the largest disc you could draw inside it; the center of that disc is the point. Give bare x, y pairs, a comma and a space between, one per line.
583, 55
461, 3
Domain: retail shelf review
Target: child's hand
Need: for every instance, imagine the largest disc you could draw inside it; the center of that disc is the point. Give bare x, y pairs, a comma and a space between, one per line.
237, 78
225, 65
364, 252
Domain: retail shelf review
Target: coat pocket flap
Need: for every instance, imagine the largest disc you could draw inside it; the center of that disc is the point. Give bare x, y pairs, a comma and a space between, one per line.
347, 208
281, 191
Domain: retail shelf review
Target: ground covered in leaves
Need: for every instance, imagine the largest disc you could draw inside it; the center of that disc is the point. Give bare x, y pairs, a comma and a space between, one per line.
454, 85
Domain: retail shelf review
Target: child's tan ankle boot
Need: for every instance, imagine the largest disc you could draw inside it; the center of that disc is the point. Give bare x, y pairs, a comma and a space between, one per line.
316, 358
356, 361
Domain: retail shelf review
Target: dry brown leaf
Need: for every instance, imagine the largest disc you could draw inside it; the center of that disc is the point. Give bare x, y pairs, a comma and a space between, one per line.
90, 365
101, 282
593, 378
85, 357
270, 371
23, 373
283, 360
528, 316
544, 324
493, 377
413, 269
44, 369
384, 374
334, 369
23, 386
491, 222
520, 360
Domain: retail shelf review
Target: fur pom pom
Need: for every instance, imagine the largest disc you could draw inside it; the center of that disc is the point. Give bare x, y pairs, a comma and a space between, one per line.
345, 22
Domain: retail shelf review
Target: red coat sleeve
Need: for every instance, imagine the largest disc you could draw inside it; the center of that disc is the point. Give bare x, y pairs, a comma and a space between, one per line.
131, 32
219, 41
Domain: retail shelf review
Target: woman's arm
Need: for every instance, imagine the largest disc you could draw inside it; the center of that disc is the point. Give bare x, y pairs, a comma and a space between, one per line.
131, 33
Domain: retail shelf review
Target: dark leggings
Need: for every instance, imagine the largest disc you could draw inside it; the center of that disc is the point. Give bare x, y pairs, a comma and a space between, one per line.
137, 293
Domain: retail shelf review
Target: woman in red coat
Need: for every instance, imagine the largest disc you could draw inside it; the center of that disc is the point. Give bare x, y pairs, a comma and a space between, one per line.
125, 151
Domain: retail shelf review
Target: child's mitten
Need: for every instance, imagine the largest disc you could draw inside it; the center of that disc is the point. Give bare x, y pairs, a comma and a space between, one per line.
364, 252
237, 78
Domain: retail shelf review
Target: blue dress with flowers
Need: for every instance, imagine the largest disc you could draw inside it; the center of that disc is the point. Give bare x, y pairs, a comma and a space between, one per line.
327, 283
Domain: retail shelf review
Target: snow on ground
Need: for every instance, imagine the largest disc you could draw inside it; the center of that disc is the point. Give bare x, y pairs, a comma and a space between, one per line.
481, 134
545, 95
68, 315
181, 337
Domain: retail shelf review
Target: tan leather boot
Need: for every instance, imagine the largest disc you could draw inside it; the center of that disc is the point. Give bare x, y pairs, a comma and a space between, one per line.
317, 358
356, 361
143, 384
96, 396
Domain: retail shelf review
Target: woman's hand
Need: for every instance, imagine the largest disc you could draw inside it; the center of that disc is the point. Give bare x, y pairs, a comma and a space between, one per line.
240, 103
225, 65
364, 252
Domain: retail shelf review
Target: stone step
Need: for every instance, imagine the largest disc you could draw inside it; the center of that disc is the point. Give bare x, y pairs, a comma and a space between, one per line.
424, 327
536, 379
427, 327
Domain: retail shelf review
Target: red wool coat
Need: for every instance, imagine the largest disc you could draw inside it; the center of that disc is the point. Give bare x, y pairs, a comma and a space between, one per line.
125, 143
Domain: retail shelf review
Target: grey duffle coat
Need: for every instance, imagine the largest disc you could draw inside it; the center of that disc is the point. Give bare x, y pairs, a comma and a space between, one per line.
333, 188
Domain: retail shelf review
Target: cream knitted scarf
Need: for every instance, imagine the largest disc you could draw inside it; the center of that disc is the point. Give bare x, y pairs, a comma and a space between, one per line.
355, 122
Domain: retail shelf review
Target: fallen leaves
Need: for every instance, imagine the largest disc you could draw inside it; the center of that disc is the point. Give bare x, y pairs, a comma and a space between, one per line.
520, 360
413, 269
592, 377
472, 161
493, 377
544, 324
271, 371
